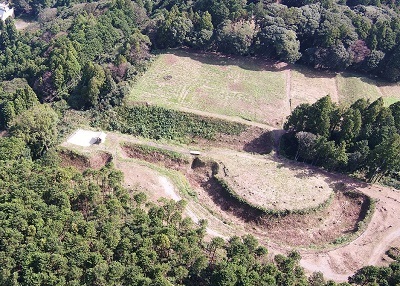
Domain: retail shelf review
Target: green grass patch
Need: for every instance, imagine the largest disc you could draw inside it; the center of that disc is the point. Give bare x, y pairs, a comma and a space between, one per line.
390, 100
156, 122
352, 87
233, 86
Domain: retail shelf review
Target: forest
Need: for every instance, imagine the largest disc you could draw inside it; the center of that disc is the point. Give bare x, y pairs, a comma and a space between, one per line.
60, 226
363, 138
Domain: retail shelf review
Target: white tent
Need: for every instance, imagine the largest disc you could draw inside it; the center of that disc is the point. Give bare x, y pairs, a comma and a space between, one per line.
5, 11
87, 138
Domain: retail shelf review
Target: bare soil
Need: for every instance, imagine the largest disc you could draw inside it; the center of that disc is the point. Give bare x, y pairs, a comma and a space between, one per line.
280, 235
82, 162
370, 247
253, 140
317, 228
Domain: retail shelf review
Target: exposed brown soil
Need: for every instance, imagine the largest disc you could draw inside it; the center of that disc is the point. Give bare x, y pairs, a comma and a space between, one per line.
319, 227
254, 140
82, 162
154, 157
100, 159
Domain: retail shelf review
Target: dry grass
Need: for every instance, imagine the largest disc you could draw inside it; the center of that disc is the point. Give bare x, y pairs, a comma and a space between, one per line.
270, 183
231, 86
307, 86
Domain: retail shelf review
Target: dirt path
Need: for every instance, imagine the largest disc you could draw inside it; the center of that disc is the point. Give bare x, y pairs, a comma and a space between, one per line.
171, 192
288, 74
336, 264
336, 97
369, 248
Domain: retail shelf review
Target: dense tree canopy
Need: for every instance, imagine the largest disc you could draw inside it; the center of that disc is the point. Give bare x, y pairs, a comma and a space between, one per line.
60, 226
363, 137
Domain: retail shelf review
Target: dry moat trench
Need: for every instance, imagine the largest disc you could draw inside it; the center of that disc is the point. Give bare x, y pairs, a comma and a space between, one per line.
327, 225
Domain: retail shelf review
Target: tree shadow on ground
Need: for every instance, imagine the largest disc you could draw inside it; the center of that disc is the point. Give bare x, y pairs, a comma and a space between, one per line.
336, 181
264, 144
247, 63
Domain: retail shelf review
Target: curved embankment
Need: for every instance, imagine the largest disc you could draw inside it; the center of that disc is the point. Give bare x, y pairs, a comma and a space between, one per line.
83, 161
369, 248
337, 264
329, 222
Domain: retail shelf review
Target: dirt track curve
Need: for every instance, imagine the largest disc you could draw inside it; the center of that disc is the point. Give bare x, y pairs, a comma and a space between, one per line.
370, 246
336, 264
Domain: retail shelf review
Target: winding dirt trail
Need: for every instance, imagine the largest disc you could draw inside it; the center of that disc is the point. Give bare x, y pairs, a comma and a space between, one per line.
288, 79
369, 248
170, 190
336, 264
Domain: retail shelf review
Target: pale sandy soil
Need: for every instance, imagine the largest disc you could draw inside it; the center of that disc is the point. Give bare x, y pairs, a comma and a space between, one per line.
370, 247
336, 264
85, 138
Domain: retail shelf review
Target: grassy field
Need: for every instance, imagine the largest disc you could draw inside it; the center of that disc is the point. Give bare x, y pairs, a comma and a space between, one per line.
307, 86
391, 92
240, 87
252, 89
352, 87
266, 182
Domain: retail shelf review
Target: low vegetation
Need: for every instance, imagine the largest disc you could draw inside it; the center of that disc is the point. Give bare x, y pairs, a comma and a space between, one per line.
263, 181
229, 192
233, 86
154, 154
352, 88
160, 123
62, 226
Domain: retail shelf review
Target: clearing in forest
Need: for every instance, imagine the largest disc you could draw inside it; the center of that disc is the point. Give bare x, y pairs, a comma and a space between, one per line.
336, 222
253, 89
271, 184
352, 87
307, 86
233, 86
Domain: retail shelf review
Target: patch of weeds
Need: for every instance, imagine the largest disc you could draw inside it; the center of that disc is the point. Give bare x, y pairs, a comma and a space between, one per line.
394, 253
157, 123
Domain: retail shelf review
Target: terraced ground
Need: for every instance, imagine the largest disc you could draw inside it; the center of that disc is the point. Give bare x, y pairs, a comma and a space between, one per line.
315, 234
252, 89
264, 180
337, 238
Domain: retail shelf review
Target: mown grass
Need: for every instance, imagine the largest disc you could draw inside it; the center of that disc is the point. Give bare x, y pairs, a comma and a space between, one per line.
155, 152
353, 87
307, 85
270, 184
207, 82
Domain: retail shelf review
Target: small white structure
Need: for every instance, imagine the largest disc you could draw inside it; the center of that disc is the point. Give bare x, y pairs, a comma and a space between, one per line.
86, 138
5, 11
